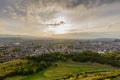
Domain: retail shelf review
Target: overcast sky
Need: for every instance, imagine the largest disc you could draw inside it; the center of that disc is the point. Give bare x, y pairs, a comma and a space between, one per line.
61, 18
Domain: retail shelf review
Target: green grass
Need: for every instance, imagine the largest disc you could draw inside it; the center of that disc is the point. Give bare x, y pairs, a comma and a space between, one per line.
64, 69
11, 66
21, 66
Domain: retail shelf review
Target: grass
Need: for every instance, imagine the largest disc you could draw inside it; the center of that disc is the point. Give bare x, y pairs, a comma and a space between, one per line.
11, 64
6, 67
63, 69
20, 66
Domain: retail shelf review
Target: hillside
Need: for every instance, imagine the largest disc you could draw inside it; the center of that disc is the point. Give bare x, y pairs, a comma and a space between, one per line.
87, 65
64, 69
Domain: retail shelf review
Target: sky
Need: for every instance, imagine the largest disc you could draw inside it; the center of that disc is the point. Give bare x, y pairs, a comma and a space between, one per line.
71, 19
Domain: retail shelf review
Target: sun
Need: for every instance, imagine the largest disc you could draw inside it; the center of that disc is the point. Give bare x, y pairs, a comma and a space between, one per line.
59, 26
61, 29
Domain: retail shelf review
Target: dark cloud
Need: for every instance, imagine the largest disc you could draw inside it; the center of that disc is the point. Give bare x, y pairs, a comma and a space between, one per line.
57, 24
22, 6
72, 3
89, 3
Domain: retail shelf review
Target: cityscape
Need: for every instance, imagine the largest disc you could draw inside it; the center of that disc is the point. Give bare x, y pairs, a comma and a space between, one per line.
16, 48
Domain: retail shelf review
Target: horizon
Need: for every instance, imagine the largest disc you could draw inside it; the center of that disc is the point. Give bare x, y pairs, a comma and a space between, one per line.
41, 38
61, 19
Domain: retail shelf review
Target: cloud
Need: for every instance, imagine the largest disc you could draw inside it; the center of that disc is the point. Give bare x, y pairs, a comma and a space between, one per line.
38, 11
89, 3
72, 3
56, 24
35, 16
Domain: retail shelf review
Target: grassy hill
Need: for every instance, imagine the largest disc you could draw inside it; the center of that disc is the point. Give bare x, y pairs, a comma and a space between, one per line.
56, 66
63, 69
20, 67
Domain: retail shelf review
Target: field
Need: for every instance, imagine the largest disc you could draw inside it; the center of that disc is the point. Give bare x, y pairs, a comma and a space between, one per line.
63, 69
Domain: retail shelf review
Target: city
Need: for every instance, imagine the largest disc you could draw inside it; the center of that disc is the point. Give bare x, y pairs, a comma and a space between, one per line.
16, 48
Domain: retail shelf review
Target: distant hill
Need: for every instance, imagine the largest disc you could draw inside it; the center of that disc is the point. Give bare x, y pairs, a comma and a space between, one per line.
27, 37
104, 39
16, 36
5, 38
